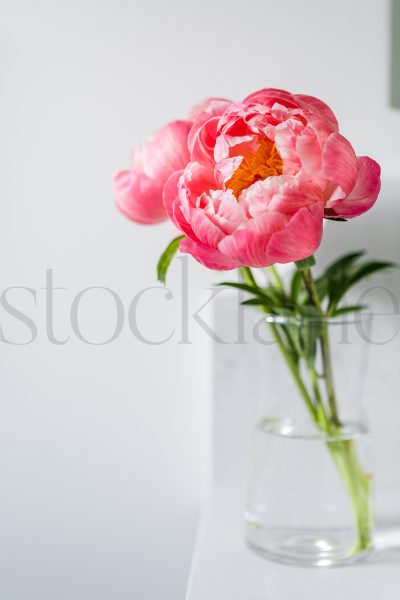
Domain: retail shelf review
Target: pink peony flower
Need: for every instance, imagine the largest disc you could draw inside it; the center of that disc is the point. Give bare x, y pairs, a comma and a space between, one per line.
139, 190
249, 183
262, 175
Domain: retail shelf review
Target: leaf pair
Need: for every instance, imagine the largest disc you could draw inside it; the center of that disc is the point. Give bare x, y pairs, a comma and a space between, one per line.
341, 275
272, 299
337, 279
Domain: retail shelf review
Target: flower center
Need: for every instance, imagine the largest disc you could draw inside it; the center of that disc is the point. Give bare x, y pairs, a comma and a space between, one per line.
259, 165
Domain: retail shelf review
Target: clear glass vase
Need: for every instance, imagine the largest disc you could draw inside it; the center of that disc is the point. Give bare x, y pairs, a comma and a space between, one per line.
309, 499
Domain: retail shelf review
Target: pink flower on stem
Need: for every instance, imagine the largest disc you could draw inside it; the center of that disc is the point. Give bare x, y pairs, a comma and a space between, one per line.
139, 190
254, 181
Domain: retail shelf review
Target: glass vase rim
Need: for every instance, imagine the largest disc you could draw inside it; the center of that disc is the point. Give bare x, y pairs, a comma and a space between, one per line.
346, 319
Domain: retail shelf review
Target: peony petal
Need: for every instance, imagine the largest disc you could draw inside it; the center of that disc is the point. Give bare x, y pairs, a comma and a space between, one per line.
211, 106
310, 155
319, 108
268, 96
209, 257
243, 145
236, 120
172, 203
285, 138
230, 213
283, 193
225, 169
138, 197
205, 230
339, 162
198, 179
300, 238
202, 141
165, 152
248, 244
362, 196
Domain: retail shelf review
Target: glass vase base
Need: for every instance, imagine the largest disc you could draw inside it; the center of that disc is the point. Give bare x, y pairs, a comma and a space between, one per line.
305, 547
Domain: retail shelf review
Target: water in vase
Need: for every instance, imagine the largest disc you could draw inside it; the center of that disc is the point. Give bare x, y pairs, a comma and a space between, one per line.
298, 509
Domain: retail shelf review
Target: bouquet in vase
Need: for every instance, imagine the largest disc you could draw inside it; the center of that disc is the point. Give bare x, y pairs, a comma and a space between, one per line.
248, 185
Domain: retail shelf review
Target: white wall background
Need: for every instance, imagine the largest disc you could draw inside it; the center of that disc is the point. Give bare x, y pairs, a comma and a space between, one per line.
104, 449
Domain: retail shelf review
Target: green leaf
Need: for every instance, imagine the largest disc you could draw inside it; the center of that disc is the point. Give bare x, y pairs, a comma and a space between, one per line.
310, 311
305, 263
244, 287
348, 309
369, 268
336, 277
341, 284
296, 285
166, 258
274, 295
342, 263
310, 332
255, 302
322, 285
292, 335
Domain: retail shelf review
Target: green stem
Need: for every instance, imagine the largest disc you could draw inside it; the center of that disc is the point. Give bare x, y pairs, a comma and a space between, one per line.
248, 276
295, 373
358, 486
325, 346
291, 363
326, 357
276, 277
311, 288
344, 453
323, 421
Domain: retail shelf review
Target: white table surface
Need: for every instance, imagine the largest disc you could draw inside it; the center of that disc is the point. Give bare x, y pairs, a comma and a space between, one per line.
224, 568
